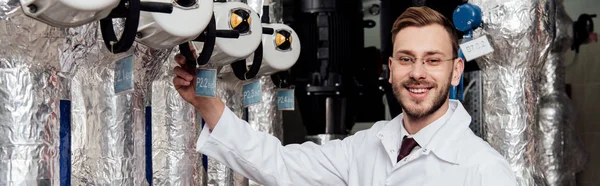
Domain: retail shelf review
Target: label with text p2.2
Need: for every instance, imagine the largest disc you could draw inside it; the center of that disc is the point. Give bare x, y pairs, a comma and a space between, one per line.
285, 99
206, 81
251, 93
476, 48
123, 81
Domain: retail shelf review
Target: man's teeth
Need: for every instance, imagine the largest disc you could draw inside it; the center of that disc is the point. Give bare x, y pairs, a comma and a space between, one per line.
420, 90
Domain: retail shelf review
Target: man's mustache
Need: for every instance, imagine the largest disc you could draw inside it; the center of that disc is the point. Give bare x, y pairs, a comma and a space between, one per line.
413, 82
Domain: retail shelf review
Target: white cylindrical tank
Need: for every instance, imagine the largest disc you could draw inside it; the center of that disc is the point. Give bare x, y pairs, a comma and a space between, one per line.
68, 13
185, 23
281, 49
234, 16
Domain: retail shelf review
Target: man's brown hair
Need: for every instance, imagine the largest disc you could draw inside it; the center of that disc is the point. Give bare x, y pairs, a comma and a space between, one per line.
425, 16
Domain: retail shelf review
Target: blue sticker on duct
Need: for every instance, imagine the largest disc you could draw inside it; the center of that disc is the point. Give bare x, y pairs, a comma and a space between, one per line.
251, 93
206, 81
65, 142
149, 145
204, 157
285, 99
124, 75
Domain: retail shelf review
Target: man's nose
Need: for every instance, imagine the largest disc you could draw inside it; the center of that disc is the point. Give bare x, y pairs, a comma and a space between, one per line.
418, 71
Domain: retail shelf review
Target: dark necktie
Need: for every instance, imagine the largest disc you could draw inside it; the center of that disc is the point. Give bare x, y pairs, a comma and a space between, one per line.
408, 144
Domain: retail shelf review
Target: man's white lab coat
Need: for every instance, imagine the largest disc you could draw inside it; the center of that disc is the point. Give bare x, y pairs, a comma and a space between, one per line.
453, 156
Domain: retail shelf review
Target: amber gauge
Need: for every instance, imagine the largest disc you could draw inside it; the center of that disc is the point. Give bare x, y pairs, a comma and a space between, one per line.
240, 21
283, 40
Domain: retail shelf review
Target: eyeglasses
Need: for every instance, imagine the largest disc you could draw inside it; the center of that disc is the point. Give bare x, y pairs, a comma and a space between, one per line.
429, 63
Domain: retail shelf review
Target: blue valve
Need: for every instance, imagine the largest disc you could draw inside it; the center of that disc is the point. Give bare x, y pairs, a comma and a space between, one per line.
466, 18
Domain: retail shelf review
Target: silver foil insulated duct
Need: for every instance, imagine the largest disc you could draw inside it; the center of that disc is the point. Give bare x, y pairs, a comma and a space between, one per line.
174, 132
229, 89
107, 130
521, 33
29, 95
560, 155
265, 116
77, 45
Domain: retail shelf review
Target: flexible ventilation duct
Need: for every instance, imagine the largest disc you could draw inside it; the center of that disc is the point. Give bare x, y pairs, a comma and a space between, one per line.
107, 129
560, 156
174, 131
521, 33
30, 99
230, 91
265, 116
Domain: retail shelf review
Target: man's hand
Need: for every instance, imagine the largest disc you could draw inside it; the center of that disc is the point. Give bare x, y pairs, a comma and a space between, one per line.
185, 81
210, 109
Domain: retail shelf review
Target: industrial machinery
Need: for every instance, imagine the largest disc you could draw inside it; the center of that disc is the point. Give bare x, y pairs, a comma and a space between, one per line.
583, 31
332, 43
130, 10
68, 13
466, 18
280, 48
185, 23
335, 73
241, 18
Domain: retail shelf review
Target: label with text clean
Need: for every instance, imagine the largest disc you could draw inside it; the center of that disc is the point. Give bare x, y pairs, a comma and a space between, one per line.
476, 48
251, 93
206, 81
124, 75
285, 99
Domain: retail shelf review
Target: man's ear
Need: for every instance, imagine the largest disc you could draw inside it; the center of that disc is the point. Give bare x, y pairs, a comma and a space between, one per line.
390, 69
457, 70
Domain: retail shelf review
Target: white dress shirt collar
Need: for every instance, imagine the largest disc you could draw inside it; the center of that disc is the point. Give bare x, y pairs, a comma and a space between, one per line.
441, 136
426, 133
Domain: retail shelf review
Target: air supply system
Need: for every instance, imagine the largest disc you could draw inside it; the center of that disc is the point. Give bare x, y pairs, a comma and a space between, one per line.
333, 75
331, 44
68, 13
187, 21
242, 19
280, 49
466, 18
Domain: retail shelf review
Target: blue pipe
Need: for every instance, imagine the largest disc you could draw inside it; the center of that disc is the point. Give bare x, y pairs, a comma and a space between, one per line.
466, 18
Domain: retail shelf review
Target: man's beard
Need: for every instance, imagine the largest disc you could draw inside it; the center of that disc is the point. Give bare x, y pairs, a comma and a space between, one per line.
438, 100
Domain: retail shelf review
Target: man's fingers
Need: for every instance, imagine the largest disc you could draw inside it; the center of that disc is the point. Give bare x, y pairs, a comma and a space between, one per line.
193, 50
178, 82
180, 59
183, 74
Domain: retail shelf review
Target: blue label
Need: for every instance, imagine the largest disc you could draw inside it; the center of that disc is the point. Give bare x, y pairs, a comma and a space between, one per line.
285, 99
251, 93
206, 81
124, 74
149, 144
65, 142
204, 157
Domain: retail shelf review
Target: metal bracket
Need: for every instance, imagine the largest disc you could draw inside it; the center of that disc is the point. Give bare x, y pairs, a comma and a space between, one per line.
473, 102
